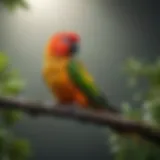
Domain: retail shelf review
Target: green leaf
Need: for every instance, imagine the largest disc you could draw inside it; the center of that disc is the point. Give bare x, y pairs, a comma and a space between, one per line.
13, 86
3, 62
155, 110
153, 92
126, 107
24, 4
115, 142
132, 82
133, 67
152, 74
10, 117
13, 73
19, 150
12, 5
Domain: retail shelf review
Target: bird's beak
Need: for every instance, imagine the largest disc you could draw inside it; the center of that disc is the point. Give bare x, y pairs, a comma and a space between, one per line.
74, 48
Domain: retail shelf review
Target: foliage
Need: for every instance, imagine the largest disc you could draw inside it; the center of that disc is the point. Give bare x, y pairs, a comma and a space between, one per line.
14, 4
148, 75
11, 147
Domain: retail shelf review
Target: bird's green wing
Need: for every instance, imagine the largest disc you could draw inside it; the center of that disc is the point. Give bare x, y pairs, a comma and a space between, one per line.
81, 78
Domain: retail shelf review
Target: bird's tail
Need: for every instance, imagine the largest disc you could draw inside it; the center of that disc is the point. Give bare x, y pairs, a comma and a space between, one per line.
104, 105
111, 108
108, 108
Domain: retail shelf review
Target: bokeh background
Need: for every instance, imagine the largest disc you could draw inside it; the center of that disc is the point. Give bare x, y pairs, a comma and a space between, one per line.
111, 32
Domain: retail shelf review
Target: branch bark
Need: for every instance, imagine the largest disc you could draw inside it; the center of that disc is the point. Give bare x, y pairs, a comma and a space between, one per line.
113, 120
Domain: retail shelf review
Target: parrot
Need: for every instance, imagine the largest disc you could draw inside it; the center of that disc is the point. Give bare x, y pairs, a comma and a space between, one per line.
67, 77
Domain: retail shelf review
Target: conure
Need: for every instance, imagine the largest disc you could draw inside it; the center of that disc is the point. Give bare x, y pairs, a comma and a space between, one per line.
67, 77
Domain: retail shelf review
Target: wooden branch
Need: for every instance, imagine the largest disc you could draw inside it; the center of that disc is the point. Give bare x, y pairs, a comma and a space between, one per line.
112, 120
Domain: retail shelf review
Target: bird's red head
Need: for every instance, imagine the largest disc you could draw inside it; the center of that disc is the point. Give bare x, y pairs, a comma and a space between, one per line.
64, 44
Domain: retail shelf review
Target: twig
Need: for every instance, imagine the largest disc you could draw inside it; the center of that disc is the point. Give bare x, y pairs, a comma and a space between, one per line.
114, 121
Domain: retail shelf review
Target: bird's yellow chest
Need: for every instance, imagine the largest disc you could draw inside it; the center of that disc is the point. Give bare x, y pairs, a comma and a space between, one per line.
56, 76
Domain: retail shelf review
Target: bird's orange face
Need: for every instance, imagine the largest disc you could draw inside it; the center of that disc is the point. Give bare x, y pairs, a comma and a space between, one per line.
64, 44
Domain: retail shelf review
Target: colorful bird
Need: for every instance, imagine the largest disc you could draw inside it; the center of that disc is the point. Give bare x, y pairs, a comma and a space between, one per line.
67, 77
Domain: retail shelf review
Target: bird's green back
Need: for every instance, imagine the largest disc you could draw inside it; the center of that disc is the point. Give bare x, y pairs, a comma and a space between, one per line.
81, 78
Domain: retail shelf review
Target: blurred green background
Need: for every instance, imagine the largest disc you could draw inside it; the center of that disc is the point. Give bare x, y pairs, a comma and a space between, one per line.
110, 31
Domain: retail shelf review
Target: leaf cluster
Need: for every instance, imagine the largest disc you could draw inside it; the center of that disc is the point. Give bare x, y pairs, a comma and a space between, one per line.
14, 4
148, 75
11, 84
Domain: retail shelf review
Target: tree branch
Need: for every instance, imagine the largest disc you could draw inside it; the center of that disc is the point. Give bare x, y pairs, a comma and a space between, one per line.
112, 120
